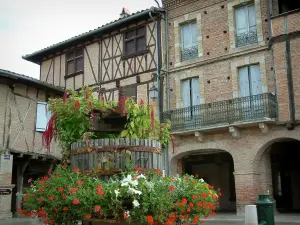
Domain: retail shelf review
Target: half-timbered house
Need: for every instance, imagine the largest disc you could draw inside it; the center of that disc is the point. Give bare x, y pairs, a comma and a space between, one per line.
23, 118
125, 54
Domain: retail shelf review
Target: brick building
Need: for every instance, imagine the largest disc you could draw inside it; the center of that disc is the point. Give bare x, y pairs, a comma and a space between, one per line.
231, 95
23, 118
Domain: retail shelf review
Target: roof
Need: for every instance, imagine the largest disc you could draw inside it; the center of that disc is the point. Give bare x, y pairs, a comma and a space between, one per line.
37, 56
26, 79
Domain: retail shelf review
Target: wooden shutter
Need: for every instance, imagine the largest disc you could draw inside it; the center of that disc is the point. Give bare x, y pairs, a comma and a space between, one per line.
256, 88
195, 91
186, 39
194, 35
42, 116
186, 96
244, 82
251, 18
241, 20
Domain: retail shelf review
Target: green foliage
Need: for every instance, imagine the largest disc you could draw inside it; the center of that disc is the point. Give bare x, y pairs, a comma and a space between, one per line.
143, 124
67, 196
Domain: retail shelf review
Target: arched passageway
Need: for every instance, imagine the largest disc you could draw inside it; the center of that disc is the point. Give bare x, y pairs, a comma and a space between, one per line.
216, 168
279, 168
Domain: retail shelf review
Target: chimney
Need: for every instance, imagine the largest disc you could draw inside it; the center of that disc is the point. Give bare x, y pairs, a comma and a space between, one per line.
125, 13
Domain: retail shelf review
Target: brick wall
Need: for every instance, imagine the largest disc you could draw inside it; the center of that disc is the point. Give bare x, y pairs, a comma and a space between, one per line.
286, 23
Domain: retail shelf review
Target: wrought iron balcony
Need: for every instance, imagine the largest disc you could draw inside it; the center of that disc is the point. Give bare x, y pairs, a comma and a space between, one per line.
238, 110
246, 38
189, 53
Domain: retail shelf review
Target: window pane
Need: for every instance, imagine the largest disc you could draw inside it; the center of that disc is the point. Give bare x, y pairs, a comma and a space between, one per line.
194, 34
141, 31
241, 20
79, 64
130, 91
186, 36
130, 34
78, 52
252, 17
244, 82
129, 47
70, 55
70, 67
141, 44
41, 116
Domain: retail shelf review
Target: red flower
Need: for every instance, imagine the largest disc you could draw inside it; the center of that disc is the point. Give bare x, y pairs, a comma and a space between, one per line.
41, 182
99, 187
194, 197
196, 175
126, 215
100, 192
80, 182
40, 199
186, 178
64, 165
45, 178
76, 201
76, 170
65, 209
41, 189
73, 190
60, 189
138, 169
51, 197
97, 208
150, 219
191, 205
204, 195
63, 196
88, 216
172, 188
52, 222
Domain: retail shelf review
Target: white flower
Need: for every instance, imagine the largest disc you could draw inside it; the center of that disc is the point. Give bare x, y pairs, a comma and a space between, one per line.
132, 190
135, 203
201, 180
117, 192
141, 176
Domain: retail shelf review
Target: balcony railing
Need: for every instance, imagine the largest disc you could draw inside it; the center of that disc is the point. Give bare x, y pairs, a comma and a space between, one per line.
189, 53
246, 109
246, 38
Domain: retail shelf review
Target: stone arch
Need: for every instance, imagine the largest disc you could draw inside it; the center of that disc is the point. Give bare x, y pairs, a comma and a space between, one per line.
200, 147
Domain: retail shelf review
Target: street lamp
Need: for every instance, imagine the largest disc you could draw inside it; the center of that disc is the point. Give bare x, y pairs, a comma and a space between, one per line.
153, 92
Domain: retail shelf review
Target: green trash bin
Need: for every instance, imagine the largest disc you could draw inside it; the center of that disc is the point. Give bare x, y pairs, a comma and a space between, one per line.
265, 210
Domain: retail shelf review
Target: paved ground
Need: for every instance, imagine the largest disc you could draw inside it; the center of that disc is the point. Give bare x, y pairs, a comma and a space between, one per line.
220, 219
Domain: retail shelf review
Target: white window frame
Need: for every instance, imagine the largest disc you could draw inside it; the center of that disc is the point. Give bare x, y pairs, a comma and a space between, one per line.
42, 116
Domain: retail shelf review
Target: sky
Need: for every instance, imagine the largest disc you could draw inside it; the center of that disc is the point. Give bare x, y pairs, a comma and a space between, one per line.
28, 26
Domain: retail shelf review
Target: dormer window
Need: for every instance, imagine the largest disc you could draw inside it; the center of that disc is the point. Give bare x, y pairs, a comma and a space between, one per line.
135, 41
75, 62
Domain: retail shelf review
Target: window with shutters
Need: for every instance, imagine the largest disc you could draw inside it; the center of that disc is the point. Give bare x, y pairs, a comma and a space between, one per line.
189, 42
130, 91
42, 116
190, 92
74, 62
135, 41
245, 21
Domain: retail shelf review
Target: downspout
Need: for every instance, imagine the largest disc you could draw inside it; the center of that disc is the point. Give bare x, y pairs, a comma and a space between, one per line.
291, 124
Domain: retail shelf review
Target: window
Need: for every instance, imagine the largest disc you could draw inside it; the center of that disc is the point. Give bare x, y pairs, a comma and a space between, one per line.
42, 116
288, 5
189, 42
135, 41
191, 92
245, 19
75, 62
130, 91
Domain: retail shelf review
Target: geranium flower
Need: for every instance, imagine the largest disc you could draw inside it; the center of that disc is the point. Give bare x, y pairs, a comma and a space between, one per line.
76, 201
30, 180
150, 219
52, 222
126, 214
65, 209
41, 189
41, 182
73, 190
76, 170
51, 197
100, 192
88, 216
40, 199
80, 182
172, 188
64, 165
99, 187
60, 189
97, 208
135, 203
45, 178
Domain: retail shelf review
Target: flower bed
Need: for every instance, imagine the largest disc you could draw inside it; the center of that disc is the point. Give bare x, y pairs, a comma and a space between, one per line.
67, 196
